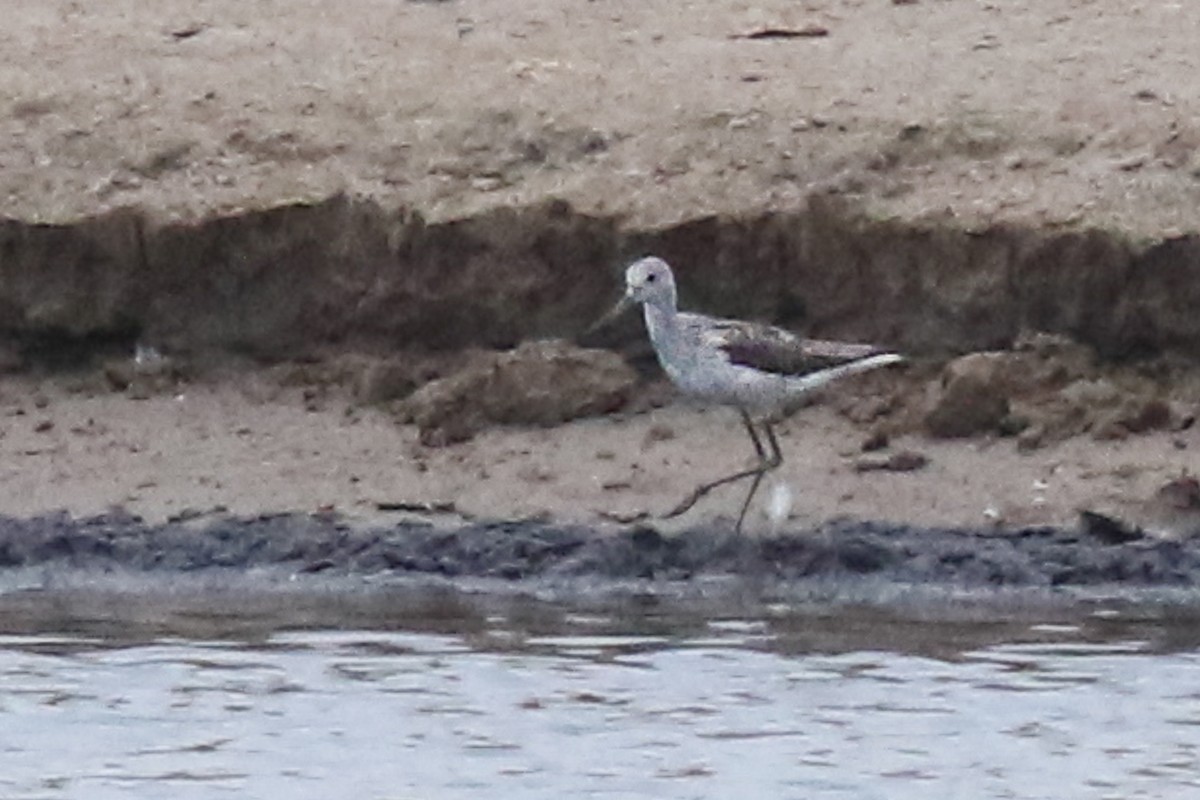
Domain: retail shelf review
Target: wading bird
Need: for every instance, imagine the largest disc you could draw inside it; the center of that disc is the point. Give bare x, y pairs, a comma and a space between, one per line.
762, 371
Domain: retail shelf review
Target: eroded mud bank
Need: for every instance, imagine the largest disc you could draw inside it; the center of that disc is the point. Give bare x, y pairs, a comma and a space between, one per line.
287, 281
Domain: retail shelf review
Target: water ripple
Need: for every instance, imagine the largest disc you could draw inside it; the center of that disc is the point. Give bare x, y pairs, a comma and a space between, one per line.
595, 707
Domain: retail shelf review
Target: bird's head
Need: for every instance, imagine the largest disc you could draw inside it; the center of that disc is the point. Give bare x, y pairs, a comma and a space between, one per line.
647, 280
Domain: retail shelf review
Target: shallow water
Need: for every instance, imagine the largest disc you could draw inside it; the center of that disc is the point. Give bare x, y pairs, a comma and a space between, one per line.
454, 699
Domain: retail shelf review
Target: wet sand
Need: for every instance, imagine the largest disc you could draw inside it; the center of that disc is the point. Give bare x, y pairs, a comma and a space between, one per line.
246, 445
844, 561
259, 481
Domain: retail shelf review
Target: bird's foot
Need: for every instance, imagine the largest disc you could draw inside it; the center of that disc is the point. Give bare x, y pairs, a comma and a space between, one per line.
687, 503
705, 488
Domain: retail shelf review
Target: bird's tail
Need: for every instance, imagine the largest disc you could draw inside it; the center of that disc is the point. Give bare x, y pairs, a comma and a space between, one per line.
798, 387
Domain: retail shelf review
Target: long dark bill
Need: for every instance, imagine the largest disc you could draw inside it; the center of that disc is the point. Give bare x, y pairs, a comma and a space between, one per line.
622, 305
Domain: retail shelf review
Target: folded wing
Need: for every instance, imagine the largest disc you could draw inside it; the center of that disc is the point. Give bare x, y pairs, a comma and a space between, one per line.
773, 350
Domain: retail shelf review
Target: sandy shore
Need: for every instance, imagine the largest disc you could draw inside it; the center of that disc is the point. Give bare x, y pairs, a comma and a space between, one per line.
1054, 114
247, 446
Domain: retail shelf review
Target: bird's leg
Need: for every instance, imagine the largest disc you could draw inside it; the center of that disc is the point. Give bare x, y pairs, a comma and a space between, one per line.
764, 464
776, 458
758, 448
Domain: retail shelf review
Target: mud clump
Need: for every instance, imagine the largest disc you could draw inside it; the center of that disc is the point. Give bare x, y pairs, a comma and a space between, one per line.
1046, 389
977, 392
539, 383
385, 380
1172, 512
147, 374
973, 396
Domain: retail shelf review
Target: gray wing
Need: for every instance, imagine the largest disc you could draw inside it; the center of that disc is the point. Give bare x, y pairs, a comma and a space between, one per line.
779, 352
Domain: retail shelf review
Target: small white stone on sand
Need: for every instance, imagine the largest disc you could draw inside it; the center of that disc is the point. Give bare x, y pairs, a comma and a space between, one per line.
779, 505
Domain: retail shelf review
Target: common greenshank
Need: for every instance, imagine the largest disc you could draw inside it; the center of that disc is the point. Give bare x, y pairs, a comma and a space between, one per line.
762, 371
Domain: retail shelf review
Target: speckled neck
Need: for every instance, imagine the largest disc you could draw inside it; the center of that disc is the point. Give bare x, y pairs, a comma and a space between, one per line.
662, 323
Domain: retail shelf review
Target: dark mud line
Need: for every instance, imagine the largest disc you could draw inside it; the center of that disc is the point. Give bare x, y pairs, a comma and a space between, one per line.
872, 563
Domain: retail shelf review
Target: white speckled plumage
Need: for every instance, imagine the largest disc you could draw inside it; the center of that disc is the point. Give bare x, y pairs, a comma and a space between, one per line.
763, 371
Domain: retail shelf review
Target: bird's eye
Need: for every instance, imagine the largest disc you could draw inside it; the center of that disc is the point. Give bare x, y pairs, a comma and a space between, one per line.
651, 278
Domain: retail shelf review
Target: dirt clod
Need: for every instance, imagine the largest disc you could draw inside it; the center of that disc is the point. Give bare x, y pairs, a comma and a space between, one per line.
1181, 493
538, 383
973, 396
384, 380
902, 461
1108, 530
